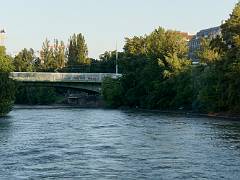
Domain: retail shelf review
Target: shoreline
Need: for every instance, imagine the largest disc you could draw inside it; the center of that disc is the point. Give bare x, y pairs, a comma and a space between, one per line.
54, 106
226, 116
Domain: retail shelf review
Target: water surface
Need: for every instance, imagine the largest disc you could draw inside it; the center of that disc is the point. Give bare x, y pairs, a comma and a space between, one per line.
114, 144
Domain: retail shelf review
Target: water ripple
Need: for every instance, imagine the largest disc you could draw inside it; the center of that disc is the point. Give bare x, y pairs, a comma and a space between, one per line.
112, 144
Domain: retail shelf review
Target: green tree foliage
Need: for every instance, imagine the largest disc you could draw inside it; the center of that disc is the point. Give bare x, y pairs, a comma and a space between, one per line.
7, 86
6, 64
37, 64
36, 95
47, 57
59, 53
52, 57
162, 43
166, 58
219, 89
77, 51
210, 89
112, 92
231, 33
107, 63
208, 53
24, 61
151, 66
158, 75
7, 91
233, 89
136, 46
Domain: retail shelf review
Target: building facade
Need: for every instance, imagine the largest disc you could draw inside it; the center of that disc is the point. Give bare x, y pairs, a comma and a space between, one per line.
195, 42
187, 37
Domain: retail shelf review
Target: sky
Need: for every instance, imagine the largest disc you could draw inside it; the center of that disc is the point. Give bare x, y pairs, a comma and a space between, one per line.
104, 23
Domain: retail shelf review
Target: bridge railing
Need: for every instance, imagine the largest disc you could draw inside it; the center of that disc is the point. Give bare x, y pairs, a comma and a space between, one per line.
61, 77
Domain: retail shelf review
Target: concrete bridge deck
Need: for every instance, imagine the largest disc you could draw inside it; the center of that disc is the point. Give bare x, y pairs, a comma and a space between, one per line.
88, 82
61, 77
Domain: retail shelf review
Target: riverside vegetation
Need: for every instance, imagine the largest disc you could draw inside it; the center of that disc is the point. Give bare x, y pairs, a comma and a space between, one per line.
157, 73
7, 87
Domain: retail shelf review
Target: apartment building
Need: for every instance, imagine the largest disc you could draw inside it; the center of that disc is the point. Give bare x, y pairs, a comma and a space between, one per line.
194, 43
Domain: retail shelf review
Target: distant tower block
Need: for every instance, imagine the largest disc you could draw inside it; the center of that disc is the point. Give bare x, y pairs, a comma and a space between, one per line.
2, 37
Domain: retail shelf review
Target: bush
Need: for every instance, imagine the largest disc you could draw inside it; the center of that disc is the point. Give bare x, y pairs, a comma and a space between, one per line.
7, 92
112, 92
36, 95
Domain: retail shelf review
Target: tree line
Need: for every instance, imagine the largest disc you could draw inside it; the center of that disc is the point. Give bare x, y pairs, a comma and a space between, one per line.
53, 56
157, 72
159, 75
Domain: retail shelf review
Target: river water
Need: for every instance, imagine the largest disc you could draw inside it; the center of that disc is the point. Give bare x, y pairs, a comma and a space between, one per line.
115, 144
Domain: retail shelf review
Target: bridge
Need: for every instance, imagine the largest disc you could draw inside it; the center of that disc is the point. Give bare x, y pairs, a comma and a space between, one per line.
87, 82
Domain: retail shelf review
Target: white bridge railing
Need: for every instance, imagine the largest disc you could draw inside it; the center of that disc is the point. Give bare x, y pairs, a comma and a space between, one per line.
61, 77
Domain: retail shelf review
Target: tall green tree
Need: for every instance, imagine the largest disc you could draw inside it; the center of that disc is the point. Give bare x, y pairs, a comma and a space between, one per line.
36, 95
47, 57
24, 60
7, 86
59, 54
219, 85
77, 51
136, 46
207, 53
231, 61
231, 33
6, 64
112, 92
151, 65
53, 56
162, 43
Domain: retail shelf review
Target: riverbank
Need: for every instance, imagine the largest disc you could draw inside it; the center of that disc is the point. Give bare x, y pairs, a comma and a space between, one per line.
16, 107
221, 115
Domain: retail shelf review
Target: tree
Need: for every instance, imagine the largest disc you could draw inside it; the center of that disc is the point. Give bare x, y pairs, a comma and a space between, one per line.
207, 53
37, 64
24, 60
59, 54
6, 64
231, 61
135, 46
7, 92
219, 85
53, 57
7, 88
47, 57
36, 95
77, 51
112, 92
231, 33
162, 43
151, 65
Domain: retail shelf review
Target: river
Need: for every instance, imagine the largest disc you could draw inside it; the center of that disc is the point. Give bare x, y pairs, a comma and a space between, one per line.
116, 144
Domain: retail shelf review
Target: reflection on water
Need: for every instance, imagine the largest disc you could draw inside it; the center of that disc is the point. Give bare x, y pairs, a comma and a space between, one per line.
5, 122
229, 134
5, 128
112, 144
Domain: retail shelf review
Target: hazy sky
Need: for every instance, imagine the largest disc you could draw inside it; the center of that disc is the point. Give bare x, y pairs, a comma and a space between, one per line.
103, 22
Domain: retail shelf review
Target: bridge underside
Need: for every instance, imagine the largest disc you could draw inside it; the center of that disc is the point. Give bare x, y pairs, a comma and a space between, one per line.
93, 88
